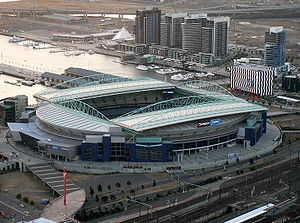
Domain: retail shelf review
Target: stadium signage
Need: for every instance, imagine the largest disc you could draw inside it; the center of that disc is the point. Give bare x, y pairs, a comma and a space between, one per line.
54, 147
215, 121
201, 124
211, 122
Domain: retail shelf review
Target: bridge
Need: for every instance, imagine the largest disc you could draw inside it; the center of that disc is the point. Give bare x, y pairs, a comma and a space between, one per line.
41, 11
33, 11
51, 177
56, 211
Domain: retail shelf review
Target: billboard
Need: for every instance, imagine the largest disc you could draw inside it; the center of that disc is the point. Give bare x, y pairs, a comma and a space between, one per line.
210, 122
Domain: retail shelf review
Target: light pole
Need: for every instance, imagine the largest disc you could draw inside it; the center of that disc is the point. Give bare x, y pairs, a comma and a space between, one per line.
65, 186
141, 203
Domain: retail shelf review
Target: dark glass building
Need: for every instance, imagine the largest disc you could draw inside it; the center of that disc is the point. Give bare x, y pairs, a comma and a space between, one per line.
147, 26
275, 46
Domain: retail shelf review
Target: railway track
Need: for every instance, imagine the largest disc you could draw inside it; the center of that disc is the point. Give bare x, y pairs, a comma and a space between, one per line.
264, 180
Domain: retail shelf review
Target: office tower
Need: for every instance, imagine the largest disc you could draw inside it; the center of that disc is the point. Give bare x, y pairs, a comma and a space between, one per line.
275, 43
147, 26
11, 109
171, 30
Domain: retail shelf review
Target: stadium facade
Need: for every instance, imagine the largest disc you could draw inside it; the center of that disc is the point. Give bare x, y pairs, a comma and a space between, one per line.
120, 118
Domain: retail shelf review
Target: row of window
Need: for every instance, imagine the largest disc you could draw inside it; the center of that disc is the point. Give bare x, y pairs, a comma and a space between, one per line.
203, 142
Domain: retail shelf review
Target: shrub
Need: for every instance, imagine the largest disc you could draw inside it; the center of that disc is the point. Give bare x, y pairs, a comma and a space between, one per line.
19, 196
25, 199
31, 203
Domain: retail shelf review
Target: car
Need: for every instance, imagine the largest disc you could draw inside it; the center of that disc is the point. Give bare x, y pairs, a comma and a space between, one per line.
22, 205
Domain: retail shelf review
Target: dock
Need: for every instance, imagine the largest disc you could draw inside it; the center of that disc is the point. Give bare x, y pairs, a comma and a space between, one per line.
19, 72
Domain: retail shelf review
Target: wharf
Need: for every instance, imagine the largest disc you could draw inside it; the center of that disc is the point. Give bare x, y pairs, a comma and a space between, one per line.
19, 72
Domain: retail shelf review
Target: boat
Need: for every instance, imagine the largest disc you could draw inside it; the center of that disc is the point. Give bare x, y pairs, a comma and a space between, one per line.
91, 52
16, 39
167, 71
37, 81
177, 77
28, 83
68, 53
142, 67
48, 84
153, 67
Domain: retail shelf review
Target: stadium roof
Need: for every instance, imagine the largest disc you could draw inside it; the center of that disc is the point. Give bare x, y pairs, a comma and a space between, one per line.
65, 117
209, 100
157, 118
32, 130
103, 87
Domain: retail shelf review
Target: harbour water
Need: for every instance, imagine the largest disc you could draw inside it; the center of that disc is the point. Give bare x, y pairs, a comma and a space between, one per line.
42, 60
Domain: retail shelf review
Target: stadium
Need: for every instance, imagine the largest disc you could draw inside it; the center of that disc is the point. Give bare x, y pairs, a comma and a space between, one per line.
103, 117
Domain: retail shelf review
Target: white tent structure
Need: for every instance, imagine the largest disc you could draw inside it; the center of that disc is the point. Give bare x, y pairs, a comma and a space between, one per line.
123, 34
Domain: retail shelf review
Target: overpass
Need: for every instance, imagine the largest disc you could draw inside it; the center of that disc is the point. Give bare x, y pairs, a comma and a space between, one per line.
76, 195
33, 11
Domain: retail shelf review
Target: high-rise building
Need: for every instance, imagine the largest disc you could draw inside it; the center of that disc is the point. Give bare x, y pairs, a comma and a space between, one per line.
147, 26
11, 109
206, 35
275, 45
171, 30
191, 32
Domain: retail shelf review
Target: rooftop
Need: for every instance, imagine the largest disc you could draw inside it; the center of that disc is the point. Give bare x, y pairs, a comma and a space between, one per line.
108, 85
255, 67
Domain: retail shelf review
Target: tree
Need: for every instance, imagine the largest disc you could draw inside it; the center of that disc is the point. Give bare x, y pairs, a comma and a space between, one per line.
97, 198
118, 185
251, 161
132, 191
104, 199
154, 183
142, 186
112, 197
99, 188
128, 183
91, 191
31, 203
25, 199
19, 196
237, 160
108, 187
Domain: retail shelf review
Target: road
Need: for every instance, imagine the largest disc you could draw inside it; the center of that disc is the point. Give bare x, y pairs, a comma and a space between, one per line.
16, 212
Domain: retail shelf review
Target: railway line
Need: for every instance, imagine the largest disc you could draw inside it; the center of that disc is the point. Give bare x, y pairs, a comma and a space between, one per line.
265, 180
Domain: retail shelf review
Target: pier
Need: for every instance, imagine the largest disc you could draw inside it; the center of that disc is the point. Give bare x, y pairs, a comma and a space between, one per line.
19, 72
